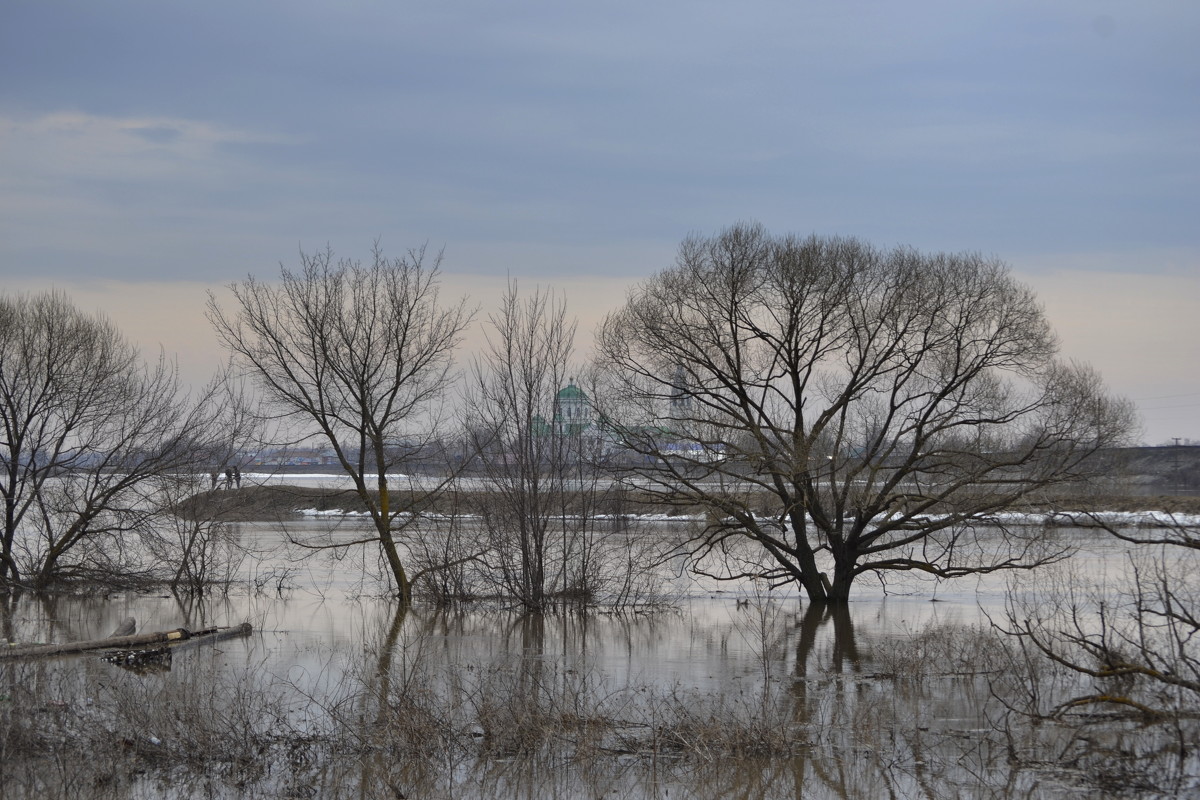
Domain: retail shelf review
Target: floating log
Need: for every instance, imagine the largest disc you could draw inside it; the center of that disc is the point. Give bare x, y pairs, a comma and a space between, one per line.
125, 642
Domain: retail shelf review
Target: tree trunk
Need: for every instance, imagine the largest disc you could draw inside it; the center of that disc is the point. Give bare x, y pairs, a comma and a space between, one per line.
113, 642
8, 566
838, 592
388, 543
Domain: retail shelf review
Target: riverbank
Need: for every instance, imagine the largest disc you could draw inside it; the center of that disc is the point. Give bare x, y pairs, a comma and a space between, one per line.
276, 502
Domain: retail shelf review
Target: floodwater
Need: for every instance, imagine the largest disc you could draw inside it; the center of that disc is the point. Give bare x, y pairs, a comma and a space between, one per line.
716, 690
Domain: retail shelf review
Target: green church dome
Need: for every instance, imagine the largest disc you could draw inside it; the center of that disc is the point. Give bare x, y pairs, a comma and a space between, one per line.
571, 392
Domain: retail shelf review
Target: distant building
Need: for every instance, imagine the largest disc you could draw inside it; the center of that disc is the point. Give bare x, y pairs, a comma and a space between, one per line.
573, 413
575, 416
681, 395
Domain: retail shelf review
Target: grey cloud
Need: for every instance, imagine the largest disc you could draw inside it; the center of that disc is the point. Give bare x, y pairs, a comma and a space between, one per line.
157, 134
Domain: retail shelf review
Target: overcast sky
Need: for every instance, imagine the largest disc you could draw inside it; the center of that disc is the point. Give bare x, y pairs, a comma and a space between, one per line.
149, 150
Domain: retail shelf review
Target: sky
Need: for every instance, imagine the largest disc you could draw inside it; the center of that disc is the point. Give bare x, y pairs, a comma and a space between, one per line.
152, 151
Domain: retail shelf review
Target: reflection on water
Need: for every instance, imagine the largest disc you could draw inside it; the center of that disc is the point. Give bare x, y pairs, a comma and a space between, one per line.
734, 691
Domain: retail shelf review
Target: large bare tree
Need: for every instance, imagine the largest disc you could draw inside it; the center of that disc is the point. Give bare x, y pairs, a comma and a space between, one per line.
357, 355
888, 404
92, 437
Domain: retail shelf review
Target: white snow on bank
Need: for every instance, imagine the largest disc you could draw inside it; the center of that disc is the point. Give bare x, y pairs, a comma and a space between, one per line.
1090, 519
310, 477
337, 512
1125, 519
1116, 519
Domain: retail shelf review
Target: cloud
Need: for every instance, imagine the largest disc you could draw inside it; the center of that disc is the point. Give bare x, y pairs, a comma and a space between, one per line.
130, 196
64, 147
158, 134
182, 142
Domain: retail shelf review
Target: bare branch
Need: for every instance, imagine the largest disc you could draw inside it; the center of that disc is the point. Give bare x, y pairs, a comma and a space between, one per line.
356, 355
879, 398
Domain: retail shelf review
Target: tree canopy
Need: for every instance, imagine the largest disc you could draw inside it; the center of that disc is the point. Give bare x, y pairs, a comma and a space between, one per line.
355, 355
889, 402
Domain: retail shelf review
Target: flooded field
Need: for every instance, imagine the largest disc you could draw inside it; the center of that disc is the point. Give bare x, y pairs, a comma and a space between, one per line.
714, 690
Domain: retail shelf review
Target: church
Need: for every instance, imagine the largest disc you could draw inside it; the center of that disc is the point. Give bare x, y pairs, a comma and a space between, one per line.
573, 412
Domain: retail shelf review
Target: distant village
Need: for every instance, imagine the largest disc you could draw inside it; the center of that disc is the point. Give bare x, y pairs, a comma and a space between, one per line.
573, 416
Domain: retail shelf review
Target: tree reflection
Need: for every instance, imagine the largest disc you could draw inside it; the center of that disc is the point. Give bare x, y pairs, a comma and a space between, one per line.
8, 603
844, 651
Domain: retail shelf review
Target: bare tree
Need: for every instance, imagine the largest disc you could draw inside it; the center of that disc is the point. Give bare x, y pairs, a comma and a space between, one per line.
530, 444
199, 548
57, 368
357, 355
99, 517
91, 436
888, 404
